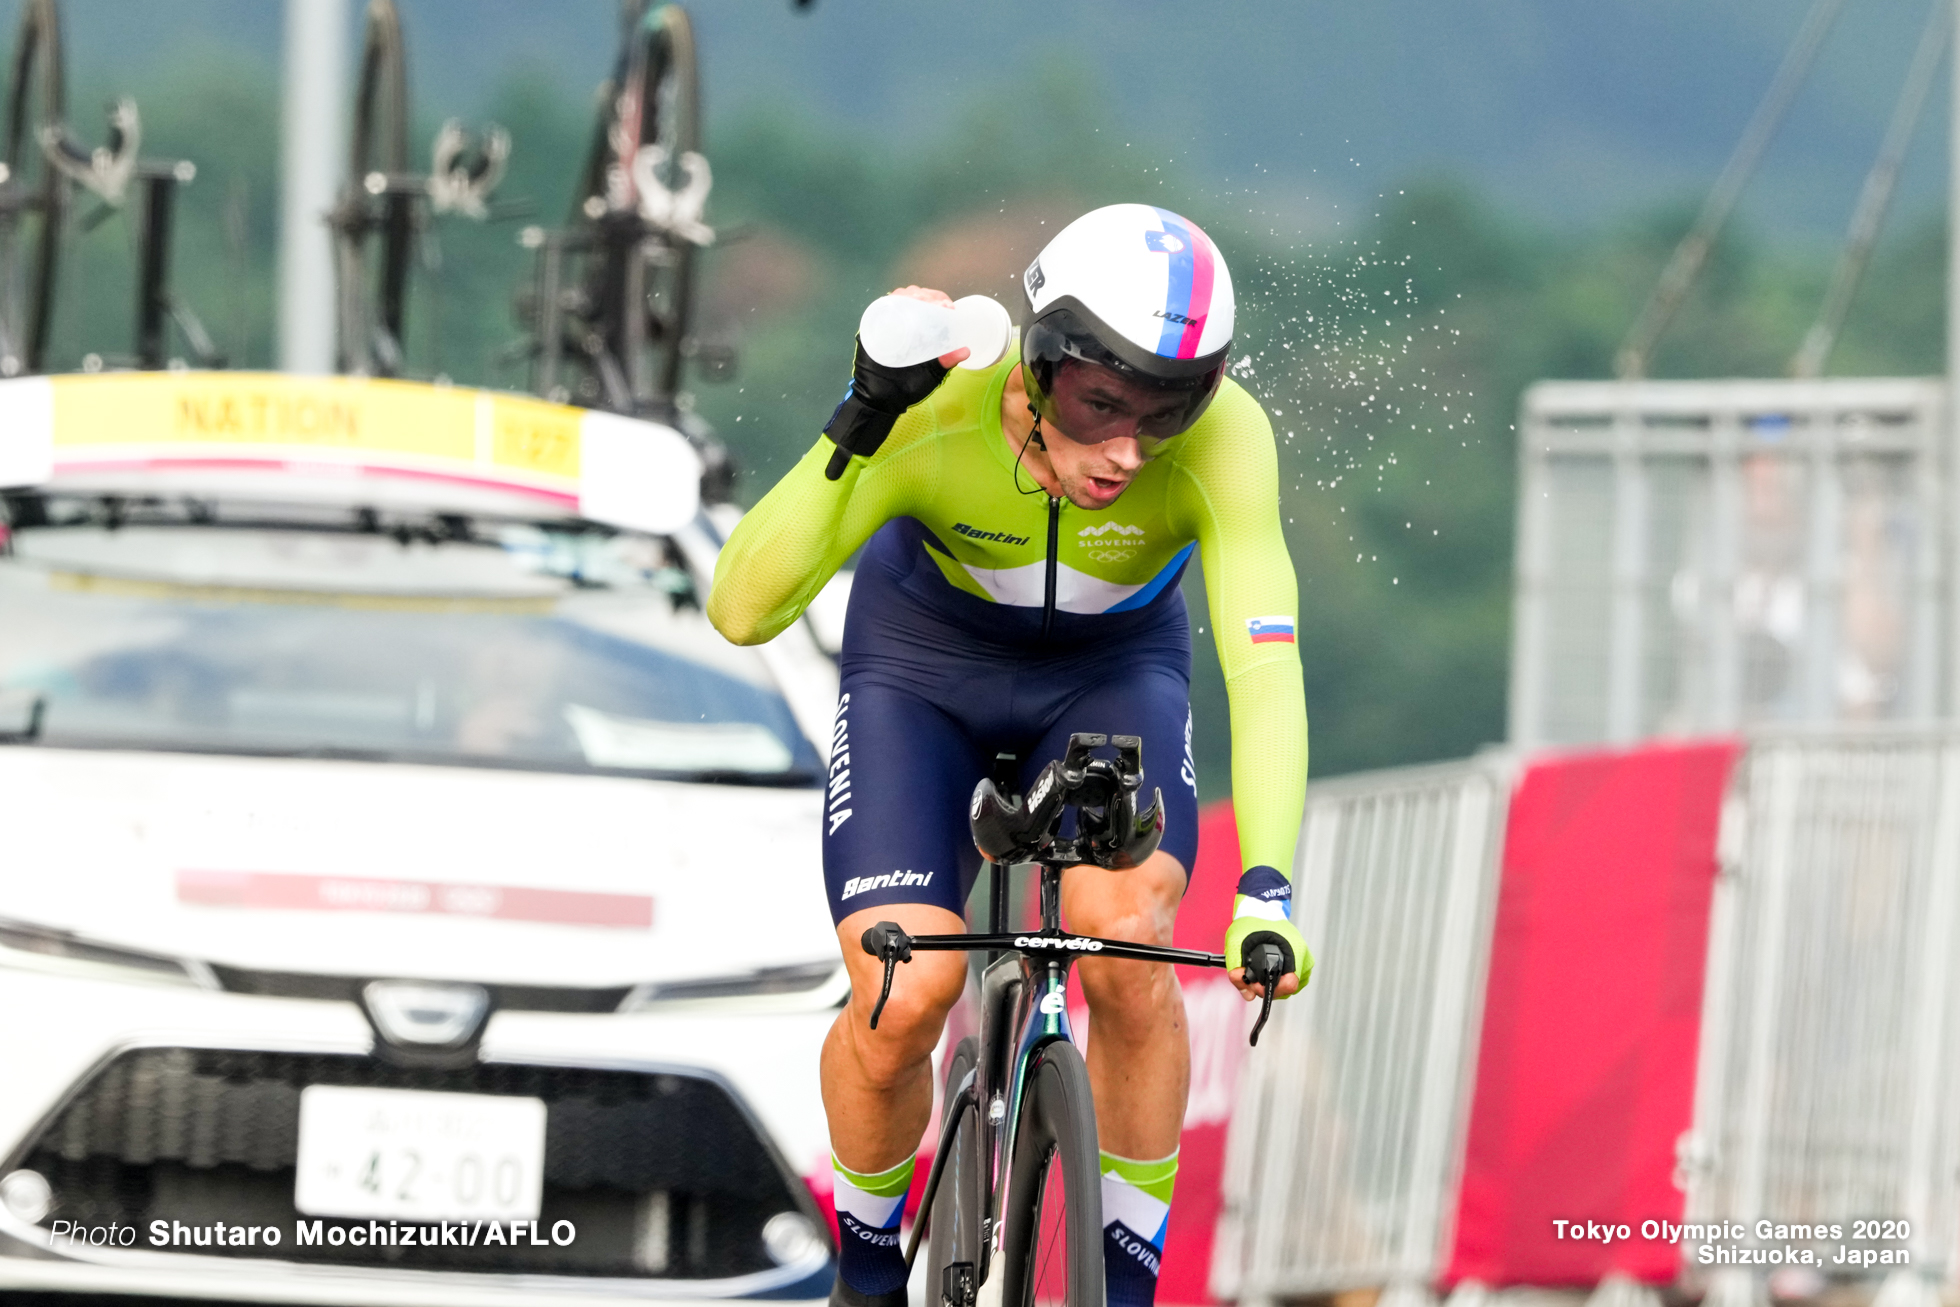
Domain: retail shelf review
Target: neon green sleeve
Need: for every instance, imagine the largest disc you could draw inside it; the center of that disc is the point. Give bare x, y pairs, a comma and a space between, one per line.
786, 547
1227, 497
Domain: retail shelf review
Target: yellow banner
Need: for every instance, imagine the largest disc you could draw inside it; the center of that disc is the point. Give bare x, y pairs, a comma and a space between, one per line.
350, 415
91, 583
531, 435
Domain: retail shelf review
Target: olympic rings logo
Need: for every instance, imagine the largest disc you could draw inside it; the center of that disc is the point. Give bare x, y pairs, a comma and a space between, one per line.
1112, 555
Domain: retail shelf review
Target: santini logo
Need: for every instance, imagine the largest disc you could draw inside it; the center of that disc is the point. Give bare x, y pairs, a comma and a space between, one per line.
890, 880
998, 537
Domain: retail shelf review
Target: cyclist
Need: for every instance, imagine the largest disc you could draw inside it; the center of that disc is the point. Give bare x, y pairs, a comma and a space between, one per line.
1024, 531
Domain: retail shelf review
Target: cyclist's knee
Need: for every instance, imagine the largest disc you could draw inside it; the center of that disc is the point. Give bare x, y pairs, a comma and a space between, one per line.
1137, 923
1114, 986
1138, 904
1130, 918
924, 990
1123, 993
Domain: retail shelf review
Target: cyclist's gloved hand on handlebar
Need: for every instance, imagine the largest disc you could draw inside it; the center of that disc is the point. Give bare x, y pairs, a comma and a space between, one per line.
1261, 909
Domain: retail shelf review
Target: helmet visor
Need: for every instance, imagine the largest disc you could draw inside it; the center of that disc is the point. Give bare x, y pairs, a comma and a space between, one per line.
1091, 396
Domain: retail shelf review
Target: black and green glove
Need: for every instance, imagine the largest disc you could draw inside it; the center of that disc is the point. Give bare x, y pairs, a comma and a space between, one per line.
877, 399
1263, 907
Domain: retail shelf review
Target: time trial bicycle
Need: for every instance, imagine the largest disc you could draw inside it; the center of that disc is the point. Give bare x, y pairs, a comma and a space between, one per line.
1013, 1203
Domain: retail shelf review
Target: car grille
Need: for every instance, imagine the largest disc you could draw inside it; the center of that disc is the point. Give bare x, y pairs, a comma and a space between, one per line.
662, 1174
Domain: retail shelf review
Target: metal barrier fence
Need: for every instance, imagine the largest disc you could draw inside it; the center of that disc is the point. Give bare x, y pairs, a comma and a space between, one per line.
1830, 1036
1829, 1027
1699, 556
1348, 1129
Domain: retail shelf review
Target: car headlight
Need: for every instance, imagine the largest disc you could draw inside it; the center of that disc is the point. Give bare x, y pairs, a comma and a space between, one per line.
805, 987
59, 952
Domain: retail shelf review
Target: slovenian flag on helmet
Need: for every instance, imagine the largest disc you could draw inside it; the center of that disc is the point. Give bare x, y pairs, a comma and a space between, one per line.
1270, 630
1190, 276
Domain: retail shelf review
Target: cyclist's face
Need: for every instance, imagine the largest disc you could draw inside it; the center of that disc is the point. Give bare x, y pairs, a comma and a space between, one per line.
1093, 405
1105, 430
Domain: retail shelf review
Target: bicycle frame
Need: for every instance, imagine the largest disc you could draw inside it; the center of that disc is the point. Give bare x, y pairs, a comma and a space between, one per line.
1023, 1006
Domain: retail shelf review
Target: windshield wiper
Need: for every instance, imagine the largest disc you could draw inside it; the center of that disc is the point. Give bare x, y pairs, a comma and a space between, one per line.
21, 715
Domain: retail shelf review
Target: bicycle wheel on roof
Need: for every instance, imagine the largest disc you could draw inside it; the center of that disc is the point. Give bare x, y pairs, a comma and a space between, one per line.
33, 194
377, 198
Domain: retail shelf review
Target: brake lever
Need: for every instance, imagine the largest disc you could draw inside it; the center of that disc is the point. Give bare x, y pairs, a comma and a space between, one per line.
1265, 968
888, 942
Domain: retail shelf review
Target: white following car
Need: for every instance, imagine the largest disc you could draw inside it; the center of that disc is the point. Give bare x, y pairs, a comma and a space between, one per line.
405, 895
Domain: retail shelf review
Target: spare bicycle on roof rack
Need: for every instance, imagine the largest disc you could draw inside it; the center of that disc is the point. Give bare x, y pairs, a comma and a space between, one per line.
612, 304
608, 311
42, 167
384, 208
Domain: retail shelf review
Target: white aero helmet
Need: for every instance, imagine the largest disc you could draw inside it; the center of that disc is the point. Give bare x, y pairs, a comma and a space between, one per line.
1137, 290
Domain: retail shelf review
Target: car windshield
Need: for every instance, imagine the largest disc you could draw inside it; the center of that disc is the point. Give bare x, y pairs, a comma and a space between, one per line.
248, 629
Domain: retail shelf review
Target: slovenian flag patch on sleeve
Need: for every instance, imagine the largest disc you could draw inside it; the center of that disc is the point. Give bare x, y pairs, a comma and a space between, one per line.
1270, 630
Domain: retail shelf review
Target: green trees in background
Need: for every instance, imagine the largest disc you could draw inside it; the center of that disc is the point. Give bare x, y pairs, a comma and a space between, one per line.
1391, 351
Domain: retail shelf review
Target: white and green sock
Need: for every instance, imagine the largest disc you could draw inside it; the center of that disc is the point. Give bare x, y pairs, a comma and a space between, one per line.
869, 1208
1136, 1204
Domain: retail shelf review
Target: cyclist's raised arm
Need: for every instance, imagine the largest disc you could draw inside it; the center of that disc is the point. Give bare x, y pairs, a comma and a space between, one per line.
783, 551
787, 546
1227, 496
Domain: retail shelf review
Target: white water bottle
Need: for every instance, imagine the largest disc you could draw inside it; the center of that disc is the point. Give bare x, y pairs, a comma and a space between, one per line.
899, 331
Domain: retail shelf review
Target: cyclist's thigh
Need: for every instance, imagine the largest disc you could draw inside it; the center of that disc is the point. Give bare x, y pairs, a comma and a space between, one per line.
895, 825
1153, 702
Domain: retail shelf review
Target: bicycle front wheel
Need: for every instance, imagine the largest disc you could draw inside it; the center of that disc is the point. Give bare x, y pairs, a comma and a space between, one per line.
1051, 1248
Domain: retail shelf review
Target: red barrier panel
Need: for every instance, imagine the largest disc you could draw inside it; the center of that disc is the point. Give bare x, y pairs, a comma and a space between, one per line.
1586, 1069
1216, 1019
